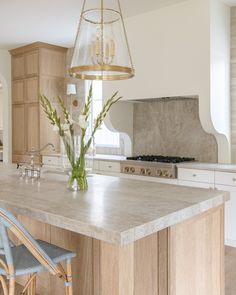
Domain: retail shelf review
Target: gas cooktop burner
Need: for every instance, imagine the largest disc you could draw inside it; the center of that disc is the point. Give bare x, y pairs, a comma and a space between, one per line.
161, 159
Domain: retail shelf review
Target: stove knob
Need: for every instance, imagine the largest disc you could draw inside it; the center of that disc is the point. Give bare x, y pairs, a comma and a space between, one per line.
159, 172
126, 169
165, 173
132, 169
148, 171
142, 171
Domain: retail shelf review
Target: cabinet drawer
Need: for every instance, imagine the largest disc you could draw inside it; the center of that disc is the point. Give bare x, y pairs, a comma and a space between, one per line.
109, 166
196, 175
51, 161
226, 178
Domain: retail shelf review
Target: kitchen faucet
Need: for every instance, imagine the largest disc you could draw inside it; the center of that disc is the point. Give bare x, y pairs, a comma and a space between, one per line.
33, 152
32, 170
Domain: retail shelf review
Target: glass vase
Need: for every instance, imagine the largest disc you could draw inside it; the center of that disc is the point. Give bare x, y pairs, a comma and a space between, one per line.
75, 164
78, 179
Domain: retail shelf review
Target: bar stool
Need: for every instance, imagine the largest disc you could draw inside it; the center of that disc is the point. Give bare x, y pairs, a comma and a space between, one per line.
29, 258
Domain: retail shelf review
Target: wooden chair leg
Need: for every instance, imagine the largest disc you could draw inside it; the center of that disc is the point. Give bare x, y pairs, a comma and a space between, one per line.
4, 285
12, 286
30, 287
69, 287
34, 286
31, 290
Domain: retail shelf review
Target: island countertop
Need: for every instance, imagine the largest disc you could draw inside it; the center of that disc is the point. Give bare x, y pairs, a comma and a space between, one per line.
113, 210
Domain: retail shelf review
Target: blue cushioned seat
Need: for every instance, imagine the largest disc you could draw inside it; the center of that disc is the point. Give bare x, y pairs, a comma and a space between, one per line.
29, 258
25, 263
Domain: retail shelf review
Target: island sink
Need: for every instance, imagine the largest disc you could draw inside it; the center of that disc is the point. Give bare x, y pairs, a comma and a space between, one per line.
131, 237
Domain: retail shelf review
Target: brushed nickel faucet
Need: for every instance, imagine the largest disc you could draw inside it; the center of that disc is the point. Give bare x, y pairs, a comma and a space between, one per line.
34, 152
33, 170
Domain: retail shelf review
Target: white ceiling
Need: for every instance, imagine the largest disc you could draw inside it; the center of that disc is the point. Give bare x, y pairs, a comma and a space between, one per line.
53, 21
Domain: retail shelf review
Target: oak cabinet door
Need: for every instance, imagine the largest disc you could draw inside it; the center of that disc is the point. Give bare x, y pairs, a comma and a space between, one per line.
18, 67
52, 63
32, 63
18, 129
18, 91
31, 90
32, 126
47, 134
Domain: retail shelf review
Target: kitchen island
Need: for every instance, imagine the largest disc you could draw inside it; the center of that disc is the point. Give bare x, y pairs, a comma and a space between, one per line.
131, 237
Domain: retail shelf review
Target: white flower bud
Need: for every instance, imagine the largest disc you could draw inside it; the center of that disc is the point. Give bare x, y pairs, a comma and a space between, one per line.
82, 122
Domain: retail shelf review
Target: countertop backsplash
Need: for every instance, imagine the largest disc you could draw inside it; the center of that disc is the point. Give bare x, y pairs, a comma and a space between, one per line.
173, 128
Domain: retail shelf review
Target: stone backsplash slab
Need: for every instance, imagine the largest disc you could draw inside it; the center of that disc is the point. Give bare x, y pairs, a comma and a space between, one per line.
172, 127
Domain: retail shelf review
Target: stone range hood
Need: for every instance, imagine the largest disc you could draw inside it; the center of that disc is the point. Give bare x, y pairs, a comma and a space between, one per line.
175, 55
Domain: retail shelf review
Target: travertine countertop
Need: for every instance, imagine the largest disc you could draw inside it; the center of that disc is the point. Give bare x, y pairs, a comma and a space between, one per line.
113, 209
209, 166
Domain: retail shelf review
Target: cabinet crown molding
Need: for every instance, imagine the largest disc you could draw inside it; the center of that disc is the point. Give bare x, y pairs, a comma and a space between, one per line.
35, 46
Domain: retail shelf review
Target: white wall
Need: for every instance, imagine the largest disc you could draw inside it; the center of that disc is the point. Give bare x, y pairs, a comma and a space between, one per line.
171, 53
5, 77
220, 72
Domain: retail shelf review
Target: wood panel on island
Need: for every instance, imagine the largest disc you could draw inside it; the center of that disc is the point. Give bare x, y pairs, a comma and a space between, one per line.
38, 68
155, 265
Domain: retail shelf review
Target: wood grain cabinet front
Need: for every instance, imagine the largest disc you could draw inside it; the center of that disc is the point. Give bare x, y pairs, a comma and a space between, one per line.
18, 67
38, 68
32, 63
18, 129
31, 90
32, 127
18, 91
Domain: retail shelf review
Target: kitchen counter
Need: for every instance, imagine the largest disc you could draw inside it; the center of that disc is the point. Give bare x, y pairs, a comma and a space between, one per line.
113, 209
131, 237
209, 166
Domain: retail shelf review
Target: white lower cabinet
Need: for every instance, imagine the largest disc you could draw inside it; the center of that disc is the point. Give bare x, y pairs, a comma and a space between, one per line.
109, 166
195, 175
230, 215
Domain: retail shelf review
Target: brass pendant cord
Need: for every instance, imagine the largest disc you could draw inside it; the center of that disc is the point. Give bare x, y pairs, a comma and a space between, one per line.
102, 31
126, 36
79, 26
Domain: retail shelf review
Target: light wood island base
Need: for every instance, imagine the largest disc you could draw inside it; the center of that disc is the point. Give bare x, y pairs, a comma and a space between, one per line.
185, 259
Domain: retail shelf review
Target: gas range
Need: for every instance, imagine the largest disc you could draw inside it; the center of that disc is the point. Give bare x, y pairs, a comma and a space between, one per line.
151, 165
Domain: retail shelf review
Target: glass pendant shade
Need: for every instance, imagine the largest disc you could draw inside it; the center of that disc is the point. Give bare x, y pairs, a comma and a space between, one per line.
101, 50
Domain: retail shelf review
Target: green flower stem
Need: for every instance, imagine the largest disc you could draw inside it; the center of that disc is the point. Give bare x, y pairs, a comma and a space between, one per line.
78, 172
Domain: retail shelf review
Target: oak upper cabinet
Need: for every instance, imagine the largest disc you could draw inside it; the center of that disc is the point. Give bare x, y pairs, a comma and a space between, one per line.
38, 68
32, 90
32, 63
32, 127
18, 67
18, 129
18, 91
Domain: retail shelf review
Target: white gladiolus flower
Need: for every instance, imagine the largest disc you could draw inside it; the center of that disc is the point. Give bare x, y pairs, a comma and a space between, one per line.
55, 128
70, 119
65, 127
82, 122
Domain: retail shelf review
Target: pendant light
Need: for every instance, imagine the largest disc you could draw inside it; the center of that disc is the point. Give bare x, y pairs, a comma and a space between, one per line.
101, 50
